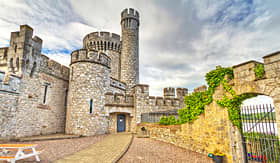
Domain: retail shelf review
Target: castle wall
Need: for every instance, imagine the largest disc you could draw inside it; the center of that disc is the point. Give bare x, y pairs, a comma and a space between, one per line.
41, 104
145, 103
89, 81
8, 105
24, 84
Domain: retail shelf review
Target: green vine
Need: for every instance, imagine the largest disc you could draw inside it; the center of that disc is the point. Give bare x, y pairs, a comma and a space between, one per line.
259, 70
196, 102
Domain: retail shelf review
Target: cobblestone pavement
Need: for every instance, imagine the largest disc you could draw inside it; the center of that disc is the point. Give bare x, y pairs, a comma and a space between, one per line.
145, 150
52, 150
107, 150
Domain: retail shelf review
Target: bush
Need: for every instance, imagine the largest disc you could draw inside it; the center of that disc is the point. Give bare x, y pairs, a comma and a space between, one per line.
168, 120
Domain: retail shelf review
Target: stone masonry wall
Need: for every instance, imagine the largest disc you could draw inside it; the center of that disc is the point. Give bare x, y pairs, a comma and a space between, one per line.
145, 103
212, 130
8, 105
89, 80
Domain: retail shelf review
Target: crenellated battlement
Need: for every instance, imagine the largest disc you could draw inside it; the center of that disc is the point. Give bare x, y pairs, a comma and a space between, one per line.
163, 102
169, 92
54, 68
118, 99
102, 41
93, 56
117, 84
130, 13
181, 92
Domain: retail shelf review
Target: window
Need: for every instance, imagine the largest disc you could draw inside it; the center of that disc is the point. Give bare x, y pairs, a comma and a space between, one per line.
46, 85
90, 106
65, 99
72, 73
17, 63
15, 48
11, 63
32, 69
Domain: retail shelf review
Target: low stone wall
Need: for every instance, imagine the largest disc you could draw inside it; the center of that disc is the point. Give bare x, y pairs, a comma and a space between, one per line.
212, 130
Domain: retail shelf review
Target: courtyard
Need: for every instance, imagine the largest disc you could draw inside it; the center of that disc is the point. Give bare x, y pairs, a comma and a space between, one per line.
141, 150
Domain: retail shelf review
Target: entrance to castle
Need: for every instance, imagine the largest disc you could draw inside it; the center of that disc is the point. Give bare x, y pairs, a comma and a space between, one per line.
121, 123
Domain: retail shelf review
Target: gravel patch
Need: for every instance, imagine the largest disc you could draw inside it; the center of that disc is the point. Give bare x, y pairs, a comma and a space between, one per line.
52, 150
144, 150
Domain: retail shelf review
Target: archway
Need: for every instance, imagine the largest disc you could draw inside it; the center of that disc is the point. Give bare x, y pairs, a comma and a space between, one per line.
259, 130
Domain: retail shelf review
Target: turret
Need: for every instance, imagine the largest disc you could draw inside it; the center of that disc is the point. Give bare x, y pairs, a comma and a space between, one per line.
130, 48
24, 52
109, 43
88, 83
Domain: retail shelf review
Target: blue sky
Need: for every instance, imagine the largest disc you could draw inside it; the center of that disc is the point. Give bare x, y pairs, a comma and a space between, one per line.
180, 40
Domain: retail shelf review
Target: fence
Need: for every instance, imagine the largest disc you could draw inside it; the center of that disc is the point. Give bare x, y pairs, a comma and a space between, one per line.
259, 133
154, 117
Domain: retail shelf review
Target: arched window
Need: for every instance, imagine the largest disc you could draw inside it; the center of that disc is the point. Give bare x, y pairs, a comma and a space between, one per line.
77, 56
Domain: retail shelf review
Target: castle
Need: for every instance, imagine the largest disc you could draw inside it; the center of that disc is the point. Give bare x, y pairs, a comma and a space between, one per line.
98, 93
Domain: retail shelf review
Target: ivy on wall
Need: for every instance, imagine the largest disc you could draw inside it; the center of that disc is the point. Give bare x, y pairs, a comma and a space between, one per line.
259, 71
196, 102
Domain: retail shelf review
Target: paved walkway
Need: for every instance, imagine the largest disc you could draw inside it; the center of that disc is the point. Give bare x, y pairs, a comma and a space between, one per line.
109, 150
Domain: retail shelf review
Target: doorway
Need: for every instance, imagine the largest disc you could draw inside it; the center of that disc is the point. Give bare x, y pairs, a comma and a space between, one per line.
121, 123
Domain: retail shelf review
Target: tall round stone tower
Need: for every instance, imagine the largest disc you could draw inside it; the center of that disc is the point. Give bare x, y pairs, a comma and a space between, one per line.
89, 81
130, 48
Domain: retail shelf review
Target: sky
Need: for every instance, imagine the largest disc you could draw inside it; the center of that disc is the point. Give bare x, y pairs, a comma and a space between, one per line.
180, 40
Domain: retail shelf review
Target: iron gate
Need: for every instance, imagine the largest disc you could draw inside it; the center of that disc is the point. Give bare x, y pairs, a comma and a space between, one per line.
259, 134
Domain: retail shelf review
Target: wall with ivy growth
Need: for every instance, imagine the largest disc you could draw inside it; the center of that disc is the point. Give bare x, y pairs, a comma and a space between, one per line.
196, 102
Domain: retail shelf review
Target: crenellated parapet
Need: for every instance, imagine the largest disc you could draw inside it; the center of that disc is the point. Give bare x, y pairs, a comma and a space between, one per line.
117, 84
127, 15
53, 68
118, 99
93, 56
169, 92
163, 102
102, 41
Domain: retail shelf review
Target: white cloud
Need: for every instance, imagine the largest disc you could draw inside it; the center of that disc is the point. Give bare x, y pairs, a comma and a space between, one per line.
179, 41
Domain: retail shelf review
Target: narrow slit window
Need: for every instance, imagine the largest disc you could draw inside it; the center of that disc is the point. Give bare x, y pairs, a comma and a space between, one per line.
72, 73
66, 95
17, 63
90, 106
45, 93
33, 69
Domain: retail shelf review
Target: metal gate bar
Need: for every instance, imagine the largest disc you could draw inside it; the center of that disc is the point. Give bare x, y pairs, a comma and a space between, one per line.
259, 134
